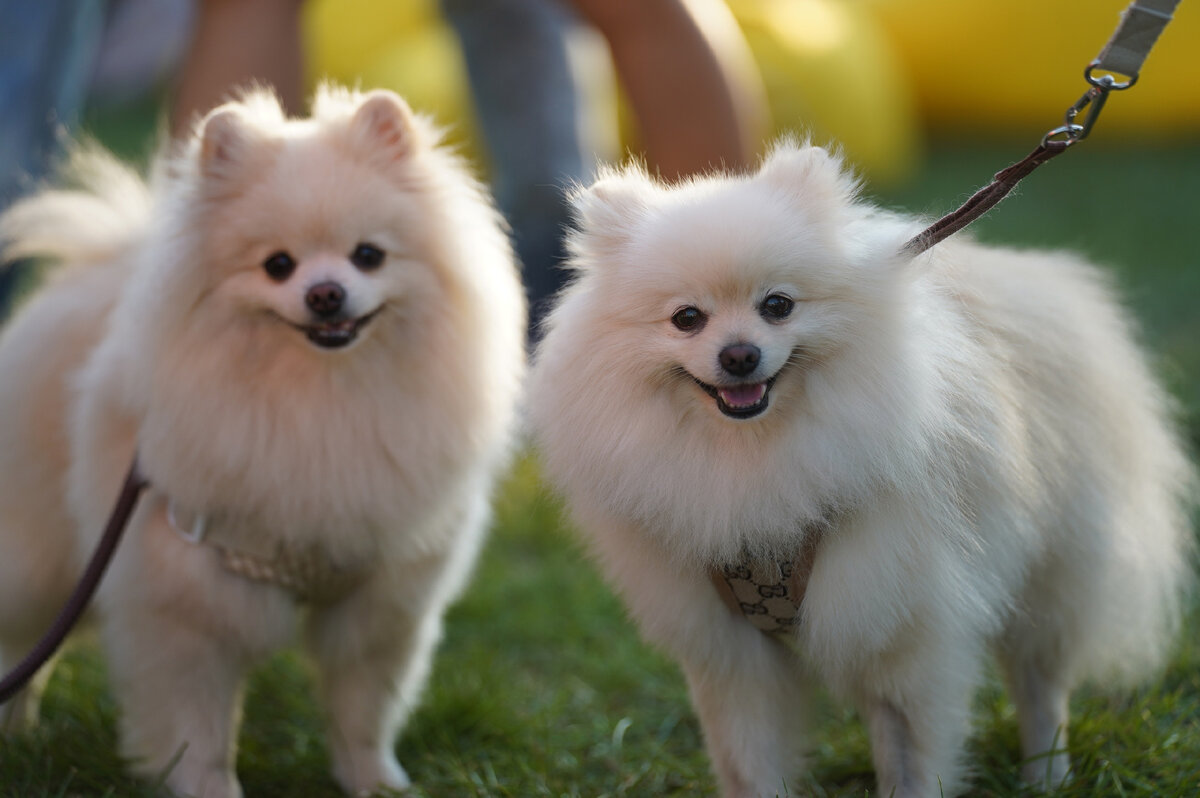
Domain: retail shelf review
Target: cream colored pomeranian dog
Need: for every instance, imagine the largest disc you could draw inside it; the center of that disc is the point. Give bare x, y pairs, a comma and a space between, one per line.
799, 454
312, 332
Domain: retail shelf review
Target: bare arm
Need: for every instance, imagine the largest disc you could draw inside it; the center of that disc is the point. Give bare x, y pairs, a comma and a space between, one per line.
687, 102
237, 42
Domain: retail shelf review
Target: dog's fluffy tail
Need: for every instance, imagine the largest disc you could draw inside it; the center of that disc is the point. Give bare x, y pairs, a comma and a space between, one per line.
103, 208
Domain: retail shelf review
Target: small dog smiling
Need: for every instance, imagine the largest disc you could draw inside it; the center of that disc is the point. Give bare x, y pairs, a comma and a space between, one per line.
312, 332
802, 455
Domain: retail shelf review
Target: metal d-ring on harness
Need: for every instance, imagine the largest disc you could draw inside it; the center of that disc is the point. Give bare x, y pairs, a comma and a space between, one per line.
768, 593
304, 571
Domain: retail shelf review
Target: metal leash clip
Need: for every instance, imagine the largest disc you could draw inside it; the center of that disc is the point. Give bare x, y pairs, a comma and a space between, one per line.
1067, 134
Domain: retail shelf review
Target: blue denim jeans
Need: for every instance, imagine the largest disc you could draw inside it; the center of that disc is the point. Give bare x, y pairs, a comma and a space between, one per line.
527, 105
47, 49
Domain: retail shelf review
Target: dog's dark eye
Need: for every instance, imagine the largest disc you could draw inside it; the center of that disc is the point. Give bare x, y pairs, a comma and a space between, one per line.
367, 256
279, 266
688, 318
776, 306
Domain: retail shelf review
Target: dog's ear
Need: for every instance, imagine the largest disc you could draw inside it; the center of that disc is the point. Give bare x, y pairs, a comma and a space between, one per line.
228, 146
384, 126
608, 211
806, 170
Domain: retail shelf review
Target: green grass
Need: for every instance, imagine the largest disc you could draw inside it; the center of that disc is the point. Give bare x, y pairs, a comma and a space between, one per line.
542, 687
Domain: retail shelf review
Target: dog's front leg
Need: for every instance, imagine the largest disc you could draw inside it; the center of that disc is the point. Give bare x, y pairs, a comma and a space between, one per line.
1042, 713
179, 690
749, 690
917, 732
373, 651
753, 707
899, 767
180, 633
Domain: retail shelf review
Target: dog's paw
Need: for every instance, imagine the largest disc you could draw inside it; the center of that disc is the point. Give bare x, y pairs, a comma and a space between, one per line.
366, 772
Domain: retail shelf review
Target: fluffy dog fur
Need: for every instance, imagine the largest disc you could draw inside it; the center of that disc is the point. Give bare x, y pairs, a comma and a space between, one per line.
973, 429
365, 433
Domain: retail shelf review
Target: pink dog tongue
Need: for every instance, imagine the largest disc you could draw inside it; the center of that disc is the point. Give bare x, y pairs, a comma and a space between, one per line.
743, 395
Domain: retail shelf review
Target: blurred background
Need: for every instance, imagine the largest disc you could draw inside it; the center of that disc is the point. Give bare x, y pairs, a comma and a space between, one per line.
927, 98
542, 687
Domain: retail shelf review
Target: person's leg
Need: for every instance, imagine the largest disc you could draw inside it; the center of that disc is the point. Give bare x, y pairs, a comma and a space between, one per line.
528, 109
46, 54
693, 112
236, 43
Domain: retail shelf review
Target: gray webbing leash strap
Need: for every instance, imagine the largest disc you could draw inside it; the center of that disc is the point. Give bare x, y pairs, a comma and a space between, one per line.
1124, 54
1140, 27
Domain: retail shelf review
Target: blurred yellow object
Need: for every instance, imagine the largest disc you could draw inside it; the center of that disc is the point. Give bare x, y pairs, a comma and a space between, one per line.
1015, 66
830, 72
401, 45
827, 69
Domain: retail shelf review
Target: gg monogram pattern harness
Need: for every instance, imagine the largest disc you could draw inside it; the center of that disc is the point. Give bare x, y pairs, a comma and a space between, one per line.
304, 571
767, 592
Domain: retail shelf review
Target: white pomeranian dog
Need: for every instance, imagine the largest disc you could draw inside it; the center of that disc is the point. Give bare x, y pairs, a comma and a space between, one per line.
312, 332
800, 454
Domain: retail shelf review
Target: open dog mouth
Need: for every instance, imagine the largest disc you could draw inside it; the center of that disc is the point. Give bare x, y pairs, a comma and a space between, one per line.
336, 333
740, 401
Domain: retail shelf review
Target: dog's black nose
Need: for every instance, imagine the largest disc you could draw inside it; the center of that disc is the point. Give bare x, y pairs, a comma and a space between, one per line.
325, 299
740, 359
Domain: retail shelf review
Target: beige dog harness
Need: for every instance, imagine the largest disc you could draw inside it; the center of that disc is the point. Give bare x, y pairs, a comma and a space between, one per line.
304, 571
768, 593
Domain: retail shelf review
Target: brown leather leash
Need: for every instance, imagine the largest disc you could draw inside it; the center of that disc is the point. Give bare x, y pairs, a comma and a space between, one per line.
1139, 29
985, 198
769, 593
78, 601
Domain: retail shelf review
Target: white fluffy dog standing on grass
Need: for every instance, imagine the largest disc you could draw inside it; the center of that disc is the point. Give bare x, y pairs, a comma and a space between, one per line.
747, 387
312, 332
